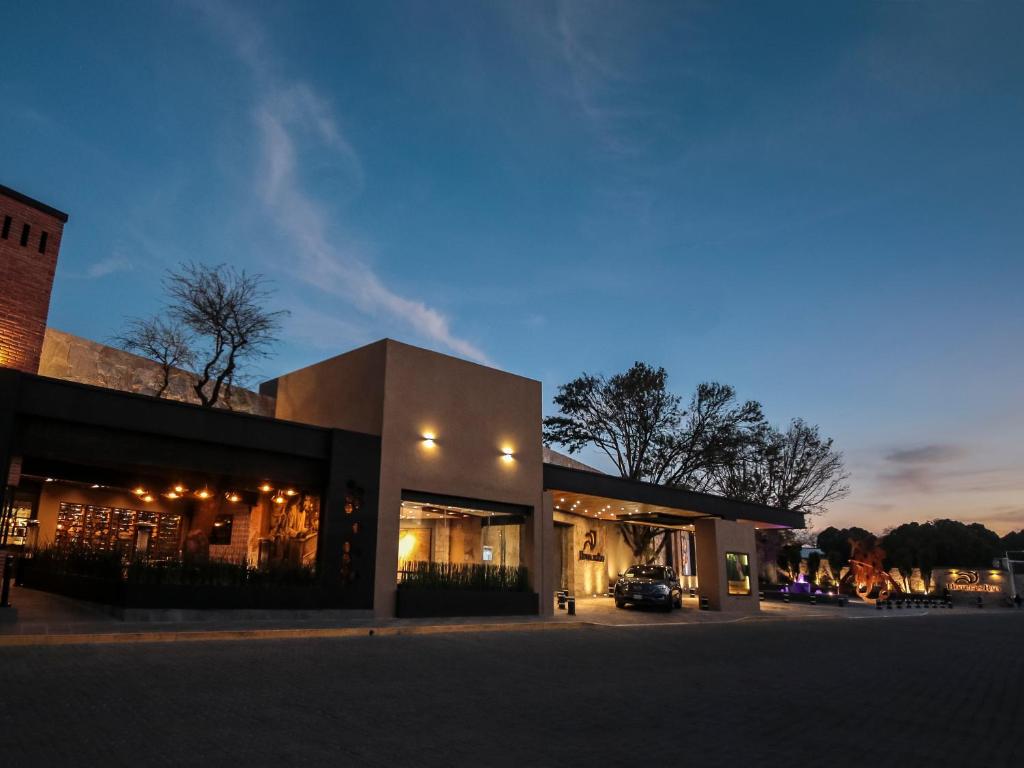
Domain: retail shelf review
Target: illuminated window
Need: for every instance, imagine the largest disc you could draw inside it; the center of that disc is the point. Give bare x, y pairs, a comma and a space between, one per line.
737, 572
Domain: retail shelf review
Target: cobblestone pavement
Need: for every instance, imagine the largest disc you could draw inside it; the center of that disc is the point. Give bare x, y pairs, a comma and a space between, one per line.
912, 690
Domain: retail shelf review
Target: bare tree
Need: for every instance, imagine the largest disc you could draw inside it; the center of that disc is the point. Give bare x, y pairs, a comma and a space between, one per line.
795, 469
225, 310
644, 541
166, 343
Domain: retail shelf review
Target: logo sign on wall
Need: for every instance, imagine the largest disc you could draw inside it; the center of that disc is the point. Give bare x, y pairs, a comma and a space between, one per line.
969, 581
590, 543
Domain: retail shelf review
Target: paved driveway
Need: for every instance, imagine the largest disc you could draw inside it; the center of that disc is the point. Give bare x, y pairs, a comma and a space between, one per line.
906, 690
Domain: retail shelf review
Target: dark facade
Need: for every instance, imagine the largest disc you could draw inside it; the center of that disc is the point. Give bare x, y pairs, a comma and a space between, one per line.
101, 438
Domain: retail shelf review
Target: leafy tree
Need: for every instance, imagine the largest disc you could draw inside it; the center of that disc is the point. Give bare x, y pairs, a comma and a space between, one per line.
813, 564
837, 544
165, 342
713, 431
789, 559
627, 416
1013, 541
644, 429
940, 542
795, 469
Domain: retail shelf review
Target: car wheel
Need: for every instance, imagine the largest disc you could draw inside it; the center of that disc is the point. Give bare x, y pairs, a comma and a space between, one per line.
619, 603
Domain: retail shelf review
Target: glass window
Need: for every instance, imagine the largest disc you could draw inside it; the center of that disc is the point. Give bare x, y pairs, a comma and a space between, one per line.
737, 572
448, 542
221, 531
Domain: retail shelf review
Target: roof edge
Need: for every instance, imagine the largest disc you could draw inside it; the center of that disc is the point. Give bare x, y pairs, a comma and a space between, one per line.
31, 202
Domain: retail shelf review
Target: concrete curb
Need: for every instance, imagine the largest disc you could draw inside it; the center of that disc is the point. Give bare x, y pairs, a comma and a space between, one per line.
130, 638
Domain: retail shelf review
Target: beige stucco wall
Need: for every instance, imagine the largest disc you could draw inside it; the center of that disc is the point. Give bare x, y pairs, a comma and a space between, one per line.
402, 392
474, 412
714, 538
73, 358
345, 392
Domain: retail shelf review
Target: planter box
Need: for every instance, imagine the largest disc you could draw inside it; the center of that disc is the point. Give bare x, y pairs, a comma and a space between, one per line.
117, 593
423, 603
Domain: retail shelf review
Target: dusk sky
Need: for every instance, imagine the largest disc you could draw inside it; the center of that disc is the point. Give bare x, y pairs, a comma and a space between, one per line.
821, 204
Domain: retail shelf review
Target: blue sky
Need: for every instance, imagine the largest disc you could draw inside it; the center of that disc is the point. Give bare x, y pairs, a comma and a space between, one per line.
818, 203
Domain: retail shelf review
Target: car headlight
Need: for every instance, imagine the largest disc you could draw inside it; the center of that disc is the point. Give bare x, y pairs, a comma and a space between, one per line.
662, 589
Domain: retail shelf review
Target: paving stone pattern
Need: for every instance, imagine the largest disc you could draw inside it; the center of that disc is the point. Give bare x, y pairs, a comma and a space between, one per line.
856, 691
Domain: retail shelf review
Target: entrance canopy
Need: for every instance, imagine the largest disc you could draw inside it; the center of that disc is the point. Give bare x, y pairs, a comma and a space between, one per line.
607, 497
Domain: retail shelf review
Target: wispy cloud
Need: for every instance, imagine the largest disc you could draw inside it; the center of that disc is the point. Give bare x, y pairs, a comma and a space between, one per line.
926, 454
293, 119
106, 266
598, 84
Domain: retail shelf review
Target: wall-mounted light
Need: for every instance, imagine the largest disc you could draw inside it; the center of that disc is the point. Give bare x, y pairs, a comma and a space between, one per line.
138, 491
291, 492
203, 494
429, 439
233, 497
279, 499
172, 495
266, 488
147, 498
180, 489
507, 454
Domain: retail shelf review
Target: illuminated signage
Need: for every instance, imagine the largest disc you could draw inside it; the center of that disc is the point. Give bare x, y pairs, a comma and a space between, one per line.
590, 542
970, 581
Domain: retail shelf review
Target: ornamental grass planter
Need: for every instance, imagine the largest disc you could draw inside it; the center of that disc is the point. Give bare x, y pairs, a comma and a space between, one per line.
416, 603
122, 594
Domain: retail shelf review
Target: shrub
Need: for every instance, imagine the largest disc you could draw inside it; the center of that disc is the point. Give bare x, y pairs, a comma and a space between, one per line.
469, 576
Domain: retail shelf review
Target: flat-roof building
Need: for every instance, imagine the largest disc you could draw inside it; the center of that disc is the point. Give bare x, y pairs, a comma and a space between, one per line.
400, 480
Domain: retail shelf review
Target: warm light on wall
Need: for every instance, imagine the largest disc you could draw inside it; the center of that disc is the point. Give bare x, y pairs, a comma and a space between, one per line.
147, 498
233, 497
507, 454
203, 494
172, 495
266, 488
406, 546
180, 489
138, 491
291, 492
429, 439
279, 499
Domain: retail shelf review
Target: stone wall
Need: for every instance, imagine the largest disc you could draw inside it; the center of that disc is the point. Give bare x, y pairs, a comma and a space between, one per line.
73, 358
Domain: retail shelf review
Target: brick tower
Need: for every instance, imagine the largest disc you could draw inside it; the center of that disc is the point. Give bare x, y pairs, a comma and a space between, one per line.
30, 234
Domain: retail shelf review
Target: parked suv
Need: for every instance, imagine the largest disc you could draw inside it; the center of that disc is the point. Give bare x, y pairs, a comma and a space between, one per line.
649, 585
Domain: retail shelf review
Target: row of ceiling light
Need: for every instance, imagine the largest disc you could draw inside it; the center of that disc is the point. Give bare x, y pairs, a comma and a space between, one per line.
606, 509
180, 491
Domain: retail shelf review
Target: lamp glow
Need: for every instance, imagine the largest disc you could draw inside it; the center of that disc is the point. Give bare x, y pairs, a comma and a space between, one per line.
507, 454
266, 488
429, 439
